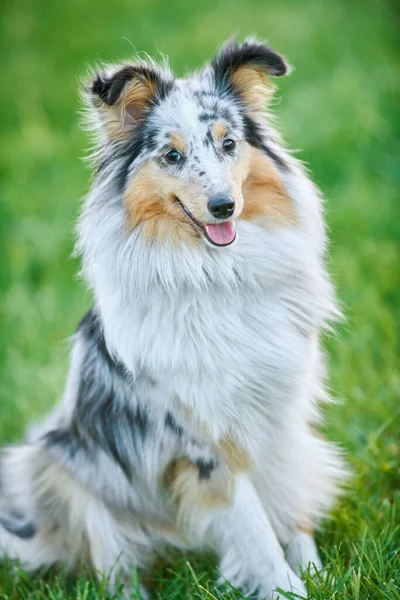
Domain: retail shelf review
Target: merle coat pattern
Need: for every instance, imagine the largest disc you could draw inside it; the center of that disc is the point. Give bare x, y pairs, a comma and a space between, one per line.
189, 410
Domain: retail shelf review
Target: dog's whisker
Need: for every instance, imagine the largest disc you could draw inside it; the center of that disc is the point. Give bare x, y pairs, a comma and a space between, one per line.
172, 206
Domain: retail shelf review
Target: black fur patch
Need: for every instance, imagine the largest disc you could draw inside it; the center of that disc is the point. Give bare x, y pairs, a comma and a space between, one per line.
105, 415
131, 151
256, 139
143, 139
206, 467
119, 430
233, 56
17, 525
206, 117
173, 425
202, 94
208, 140
91, 328
226, 114
67, 439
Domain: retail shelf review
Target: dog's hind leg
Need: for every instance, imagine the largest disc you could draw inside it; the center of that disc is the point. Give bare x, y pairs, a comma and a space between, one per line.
48, 516
117, 546
40, 519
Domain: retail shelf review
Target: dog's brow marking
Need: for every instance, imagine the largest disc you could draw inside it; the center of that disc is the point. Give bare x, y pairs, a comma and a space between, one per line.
219, 130
177, 141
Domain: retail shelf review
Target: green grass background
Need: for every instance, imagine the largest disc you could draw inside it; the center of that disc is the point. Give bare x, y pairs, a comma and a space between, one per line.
341, 108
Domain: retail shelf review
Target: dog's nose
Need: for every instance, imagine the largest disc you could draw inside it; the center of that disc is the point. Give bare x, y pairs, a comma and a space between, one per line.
221, 208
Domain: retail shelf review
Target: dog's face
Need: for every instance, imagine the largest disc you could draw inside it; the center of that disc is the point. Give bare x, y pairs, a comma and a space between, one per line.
191, 153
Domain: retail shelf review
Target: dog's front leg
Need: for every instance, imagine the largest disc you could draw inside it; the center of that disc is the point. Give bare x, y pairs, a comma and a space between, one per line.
221, 509
251, 556
302, 553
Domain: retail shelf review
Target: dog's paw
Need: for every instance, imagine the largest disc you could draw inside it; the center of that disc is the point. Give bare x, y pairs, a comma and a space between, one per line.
285, 581
281, 581
268, 583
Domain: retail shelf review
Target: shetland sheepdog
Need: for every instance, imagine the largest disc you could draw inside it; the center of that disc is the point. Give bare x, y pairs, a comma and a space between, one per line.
188, 417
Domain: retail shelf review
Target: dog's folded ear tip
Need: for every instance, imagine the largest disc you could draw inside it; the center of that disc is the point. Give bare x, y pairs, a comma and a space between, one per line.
111, 84
108, 86
250, 53
279, 67
99, 87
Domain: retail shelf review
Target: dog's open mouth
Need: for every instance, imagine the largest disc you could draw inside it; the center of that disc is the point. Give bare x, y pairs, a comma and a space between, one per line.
217, 234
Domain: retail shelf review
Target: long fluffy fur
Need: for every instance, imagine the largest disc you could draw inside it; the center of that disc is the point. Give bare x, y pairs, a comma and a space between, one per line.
195, 382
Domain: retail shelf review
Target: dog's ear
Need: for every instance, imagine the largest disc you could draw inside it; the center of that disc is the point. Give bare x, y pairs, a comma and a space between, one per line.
245, 68
121, 96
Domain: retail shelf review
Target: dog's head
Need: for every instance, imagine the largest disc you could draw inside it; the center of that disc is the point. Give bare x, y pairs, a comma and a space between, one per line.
192, 154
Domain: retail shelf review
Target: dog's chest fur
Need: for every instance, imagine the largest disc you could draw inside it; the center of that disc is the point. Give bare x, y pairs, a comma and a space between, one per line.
227, 334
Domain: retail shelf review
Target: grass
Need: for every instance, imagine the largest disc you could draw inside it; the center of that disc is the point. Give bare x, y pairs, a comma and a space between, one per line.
341, 107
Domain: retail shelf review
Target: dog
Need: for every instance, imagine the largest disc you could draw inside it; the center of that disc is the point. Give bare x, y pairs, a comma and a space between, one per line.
189, 413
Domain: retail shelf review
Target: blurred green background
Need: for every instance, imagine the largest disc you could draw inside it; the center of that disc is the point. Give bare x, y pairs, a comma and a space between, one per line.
340, 106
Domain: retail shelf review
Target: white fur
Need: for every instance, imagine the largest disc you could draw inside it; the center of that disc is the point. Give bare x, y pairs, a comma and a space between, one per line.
233, 334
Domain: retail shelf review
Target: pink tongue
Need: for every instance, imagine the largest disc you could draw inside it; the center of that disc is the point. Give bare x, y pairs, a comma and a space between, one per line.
221, 233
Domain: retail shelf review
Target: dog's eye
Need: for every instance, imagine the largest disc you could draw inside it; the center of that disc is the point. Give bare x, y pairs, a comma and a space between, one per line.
173, 156
228, 145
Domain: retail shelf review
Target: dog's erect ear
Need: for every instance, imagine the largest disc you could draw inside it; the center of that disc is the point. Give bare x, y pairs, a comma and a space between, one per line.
123, 95
244, 68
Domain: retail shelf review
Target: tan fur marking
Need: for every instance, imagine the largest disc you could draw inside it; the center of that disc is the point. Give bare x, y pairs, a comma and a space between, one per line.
113, 121
151, 199
219, 130
178, 142
187, 413
191, 492
254, 87
135, 97
264, 194
138, 92
148, 201
306, 529
234, 454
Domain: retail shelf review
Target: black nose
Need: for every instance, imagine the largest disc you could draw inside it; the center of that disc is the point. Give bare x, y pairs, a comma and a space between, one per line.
221, 208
